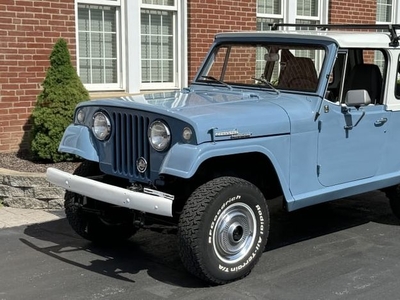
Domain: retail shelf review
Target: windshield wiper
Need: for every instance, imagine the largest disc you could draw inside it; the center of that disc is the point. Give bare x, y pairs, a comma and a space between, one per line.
266, 83
216, 80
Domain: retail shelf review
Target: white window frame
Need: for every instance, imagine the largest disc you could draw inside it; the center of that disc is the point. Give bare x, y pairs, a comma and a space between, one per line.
289, 13
273, 16
279, 16
394, 20
393, 16
164, 85
310, 18
133, 59
120, 84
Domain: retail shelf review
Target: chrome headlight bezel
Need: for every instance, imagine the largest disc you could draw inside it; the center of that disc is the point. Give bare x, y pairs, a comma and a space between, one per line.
101, 126
159, 135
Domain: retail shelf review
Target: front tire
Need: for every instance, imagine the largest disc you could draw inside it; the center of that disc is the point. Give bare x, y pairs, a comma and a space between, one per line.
103, 228
223, 230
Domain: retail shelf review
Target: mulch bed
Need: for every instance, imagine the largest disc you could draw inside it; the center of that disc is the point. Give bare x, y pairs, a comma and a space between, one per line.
22, 162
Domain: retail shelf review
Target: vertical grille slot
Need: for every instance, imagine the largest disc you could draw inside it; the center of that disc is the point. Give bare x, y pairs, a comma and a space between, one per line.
129, 143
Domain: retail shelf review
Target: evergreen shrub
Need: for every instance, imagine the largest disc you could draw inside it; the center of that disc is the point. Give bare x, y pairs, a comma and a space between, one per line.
53, 112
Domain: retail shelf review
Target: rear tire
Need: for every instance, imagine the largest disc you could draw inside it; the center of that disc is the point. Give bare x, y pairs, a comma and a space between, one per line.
93, 227
393, 194
223, 230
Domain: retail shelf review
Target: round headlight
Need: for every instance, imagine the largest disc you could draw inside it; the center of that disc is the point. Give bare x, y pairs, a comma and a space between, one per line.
101, 126
159, 135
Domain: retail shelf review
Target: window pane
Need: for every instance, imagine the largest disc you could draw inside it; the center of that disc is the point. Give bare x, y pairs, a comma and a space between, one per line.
96, 21
159, 2
145, 24
145, 47
166, 75
97, 32
96, 43
97, 71
168, 47
384, 11
269, 6
110, 45
84, 70
155, 71
167, 26
110, 66
109, 21
155, 24
307, 8
157, 40
83, 19
84, 43
146, 70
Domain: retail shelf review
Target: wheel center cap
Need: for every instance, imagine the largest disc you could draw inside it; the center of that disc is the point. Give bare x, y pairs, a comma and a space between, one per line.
236, 232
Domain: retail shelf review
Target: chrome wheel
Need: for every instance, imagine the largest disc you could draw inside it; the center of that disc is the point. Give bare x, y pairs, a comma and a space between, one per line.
234, 233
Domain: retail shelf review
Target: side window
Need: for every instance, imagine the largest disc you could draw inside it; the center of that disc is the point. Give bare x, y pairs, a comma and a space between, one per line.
365, 70
335, 84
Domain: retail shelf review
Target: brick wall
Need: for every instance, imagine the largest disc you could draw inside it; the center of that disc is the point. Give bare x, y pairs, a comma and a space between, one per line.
207, 17
345, 11
28, 31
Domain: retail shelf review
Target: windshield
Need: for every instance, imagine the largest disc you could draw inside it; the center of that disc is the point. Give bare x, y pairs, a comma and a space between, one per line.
271, 66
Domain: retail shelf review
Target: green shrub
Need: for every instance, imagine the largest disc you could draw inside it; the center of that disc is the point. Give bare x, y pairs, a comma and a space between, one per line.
53, 112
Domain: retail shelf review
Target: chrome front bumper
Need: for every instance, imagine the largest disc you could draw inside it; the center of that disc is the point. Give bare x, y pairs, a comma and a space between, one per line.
157, 203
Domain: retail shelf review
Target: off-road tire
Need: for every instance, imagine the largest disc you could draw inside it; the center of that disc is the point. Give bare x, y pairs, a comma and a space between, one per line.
91, 226
223, 230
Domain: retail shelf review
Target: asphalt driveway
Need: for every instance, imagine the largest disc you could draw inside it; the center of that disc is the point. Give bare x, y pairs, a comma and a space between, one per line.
348, 249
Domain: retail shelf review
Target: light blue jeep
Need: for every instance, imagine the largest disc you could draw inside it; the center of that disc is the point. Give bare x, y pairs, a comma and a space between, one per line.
311, 116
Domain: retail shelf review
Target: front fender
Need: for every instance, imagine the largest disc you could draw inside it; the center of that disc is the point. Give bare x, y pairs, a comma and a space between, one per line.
183, 160
77, 140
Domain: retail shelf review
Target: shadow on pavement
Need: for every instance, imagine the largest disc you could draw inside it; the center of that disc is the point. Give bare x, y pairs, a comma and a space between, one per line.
153, 251
311, 222
157, 252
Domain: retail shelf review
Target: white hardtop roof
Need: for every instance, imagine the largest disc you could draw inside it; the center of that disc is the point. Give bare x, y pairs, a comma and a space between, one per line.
345, 39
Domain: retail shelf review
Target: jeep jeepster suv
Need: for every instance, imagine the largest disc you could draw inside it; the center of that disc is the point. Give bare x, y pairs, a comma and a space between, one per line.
310, 115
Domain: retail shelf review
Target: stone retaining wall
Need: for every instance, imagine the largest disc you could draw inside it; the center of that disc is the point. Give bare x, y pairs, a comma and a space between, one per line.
29, 190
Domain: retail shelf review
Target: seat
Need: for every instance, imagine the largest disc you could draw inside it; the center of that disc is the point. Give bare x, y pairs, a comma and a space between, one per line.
365, 77
299, 73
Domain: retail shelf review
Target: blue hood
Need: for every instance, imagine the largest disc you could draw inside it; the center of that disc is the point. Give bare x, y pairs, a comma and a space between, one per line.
225, 111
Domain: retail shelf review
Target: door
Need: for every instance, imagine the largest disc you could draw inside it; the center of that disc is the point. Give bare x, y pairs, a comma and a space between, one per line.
351, 142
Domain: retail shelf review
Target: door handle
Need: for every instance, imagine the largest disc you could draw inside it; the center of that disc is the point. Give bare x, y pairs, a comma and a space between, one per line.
380, 122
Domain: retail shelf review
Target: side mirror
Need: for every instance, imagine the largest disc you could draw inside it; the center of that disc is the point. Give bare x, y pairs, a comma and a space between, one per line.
357, 98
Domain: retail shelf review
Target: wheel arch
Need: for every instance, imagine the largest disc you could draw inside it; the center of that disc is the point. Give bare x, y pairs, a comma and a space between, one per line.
256, 162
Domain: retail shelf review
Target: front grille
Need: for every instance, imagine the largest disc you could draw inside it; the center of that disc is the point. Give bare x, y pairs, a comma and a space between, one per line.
129, 143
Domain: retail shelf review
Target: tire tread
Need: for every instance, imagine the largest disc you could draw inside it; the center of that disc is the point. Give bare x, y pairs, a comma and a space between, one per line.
190, 219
